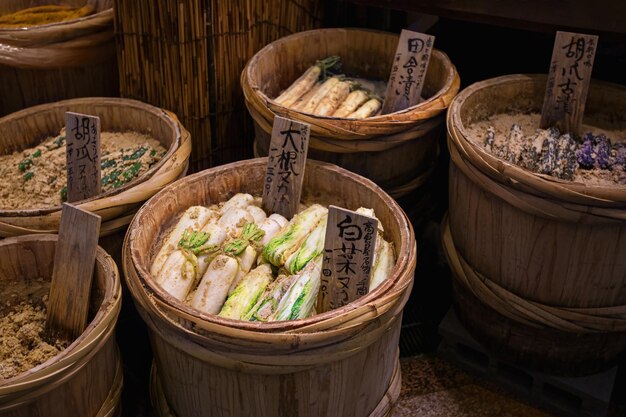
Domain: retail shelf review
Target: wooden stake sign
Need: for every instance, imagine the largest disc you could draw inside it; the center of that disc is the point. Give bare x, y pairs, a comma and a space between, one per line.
72, 273
408, 71
348, 258
285, 167
83, 156
568, 81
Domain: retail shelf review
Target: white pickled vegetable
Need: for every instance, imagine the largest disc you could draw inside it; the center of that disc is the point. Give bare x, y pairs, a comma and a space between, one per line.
257, 213
281, 220
194, 218
383, 263
234, 219
270, 227
289, 239
240, 303
299, 300
246, 261
178, 275
310, 248
213, 288
240, 200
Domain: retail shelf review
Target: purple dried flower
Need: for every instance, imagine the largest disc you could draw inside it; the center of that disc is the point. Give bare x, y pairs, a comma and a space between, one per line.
603, 152
585, 153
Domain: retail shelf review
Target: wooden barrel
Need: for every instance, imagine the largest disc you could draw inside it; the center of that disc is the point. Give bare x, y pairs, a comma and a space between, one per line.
394, 150
57, 61
28, 127
340, 363
85, 379
542, 252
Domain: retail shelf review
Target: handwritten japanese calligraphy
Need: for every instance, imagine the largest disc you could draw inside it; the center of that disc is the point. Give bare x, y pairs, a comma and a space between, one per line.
285, 166
348, 258
568, 81
82, 156
408, 71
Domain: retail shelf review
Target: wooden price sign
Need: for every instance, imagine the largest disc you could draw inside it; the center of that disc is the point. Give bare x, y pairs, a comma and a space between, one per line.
285, 167
568, 81
348, 258
83, 156
72, 274
408, 71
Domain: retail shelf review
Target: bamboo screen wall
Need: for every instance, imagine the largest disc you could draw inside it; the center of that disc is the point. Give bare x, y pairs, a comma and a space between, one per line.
187, 55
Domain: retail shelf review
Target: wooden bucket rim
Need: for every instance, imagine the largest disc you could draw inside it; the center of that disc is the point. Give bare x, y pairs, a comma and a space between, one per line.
503, 171
167, 117
406, 254
106, 14
98, 329
251, 79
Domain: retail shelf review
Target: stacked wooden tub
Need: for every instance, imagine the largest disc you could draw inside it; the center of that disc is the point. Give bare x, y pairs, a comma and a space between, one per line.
30, 126
57, 61
397, 151
540, 263
85, 379
340, 363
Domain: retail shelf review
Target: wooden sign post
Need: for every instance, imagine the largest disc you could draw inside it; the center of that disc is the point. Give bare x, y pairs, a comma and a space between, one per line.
285, 167
568, 81
408, 71
72, 273
348, 258
82, 155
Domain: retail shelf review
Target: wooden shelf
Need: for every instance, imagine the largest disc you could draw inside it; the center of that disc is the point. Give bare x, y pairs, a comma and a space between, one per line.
600, 17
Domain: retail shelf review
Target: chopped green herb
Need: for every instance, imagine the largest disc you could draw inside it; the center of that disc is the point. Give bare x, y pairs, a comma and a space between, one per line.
25, 164
152, 153
107, 163
110, 178
37, 153
135, 155
58, 142
131, 172
28, 176
64, 194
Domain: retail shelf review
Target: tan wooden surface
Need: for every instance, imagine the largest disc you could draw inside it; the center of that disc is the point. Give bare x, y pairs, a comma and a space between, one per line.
348, 258
82, 144
285, 167
72, 275
408, 71
568, 82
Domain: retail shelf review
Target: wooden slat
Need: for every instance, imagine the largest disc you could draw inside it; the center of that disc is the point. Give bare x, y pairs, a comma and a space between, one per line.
285, 167
408, 71
82, 133
72, 275
568, 81
348, 258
